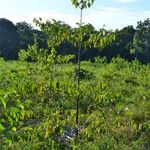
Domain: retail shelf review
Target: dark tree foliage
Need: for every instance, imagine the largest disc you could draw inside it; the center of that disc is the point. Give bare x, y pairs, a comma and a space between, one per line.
122, 44
16, 37
41, 38
141, 41
27, 35
9, 39
25, 32
129, 43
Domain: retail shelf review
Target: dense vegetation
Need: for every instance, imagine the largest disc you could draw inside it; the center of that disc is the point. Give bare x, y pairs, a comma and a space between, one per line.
130, 43
38, 102
50, 99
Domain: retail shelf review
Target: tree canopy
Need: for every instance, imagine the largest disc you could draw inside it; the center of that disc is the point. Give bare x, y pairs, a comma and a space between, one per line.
129, 43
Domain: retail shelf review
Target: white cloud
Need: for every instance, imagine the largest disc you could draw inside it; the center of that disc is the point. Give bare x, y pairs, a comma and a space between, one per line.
46, 15
113, 18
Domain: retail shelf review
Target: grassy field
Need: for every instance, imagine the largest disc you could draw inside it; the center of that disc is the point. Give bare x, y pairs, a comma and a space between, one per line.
38, 105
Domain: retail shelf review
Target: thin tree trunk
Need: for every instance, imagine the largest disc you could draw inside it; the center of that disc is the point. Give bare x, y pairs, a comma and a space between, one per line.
78, 74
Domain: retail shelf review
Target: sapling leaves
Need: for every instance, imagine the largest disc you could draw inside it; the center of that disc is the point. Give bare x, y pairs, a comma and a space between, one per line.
82, 4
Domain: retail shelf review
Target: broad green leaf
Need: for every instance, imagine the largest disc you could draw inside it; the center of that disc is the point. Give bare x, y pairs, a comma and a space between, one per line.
14, 129
1, 127
3, 101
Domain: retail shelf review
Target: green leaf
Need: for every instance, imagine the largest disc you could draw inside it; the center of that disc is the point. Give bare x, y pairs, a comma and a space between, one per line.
14, 129
1, 127
27, 129
3, 101
10, 120
20, 106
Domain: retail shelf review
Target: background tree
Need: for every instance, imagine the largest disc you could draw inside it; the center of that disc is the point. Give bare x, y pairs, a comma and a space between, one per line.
25, 32
122, 45
142, 41
129, 43
9, 39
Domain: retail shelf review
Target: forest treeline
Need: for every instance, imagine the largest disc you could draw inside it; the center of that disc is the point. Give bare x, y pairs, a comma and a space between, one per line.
129, 42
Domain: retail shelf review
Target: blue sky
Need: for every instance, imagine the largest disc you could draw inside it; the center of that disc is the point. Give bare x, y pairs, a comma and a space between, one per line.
111, 13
